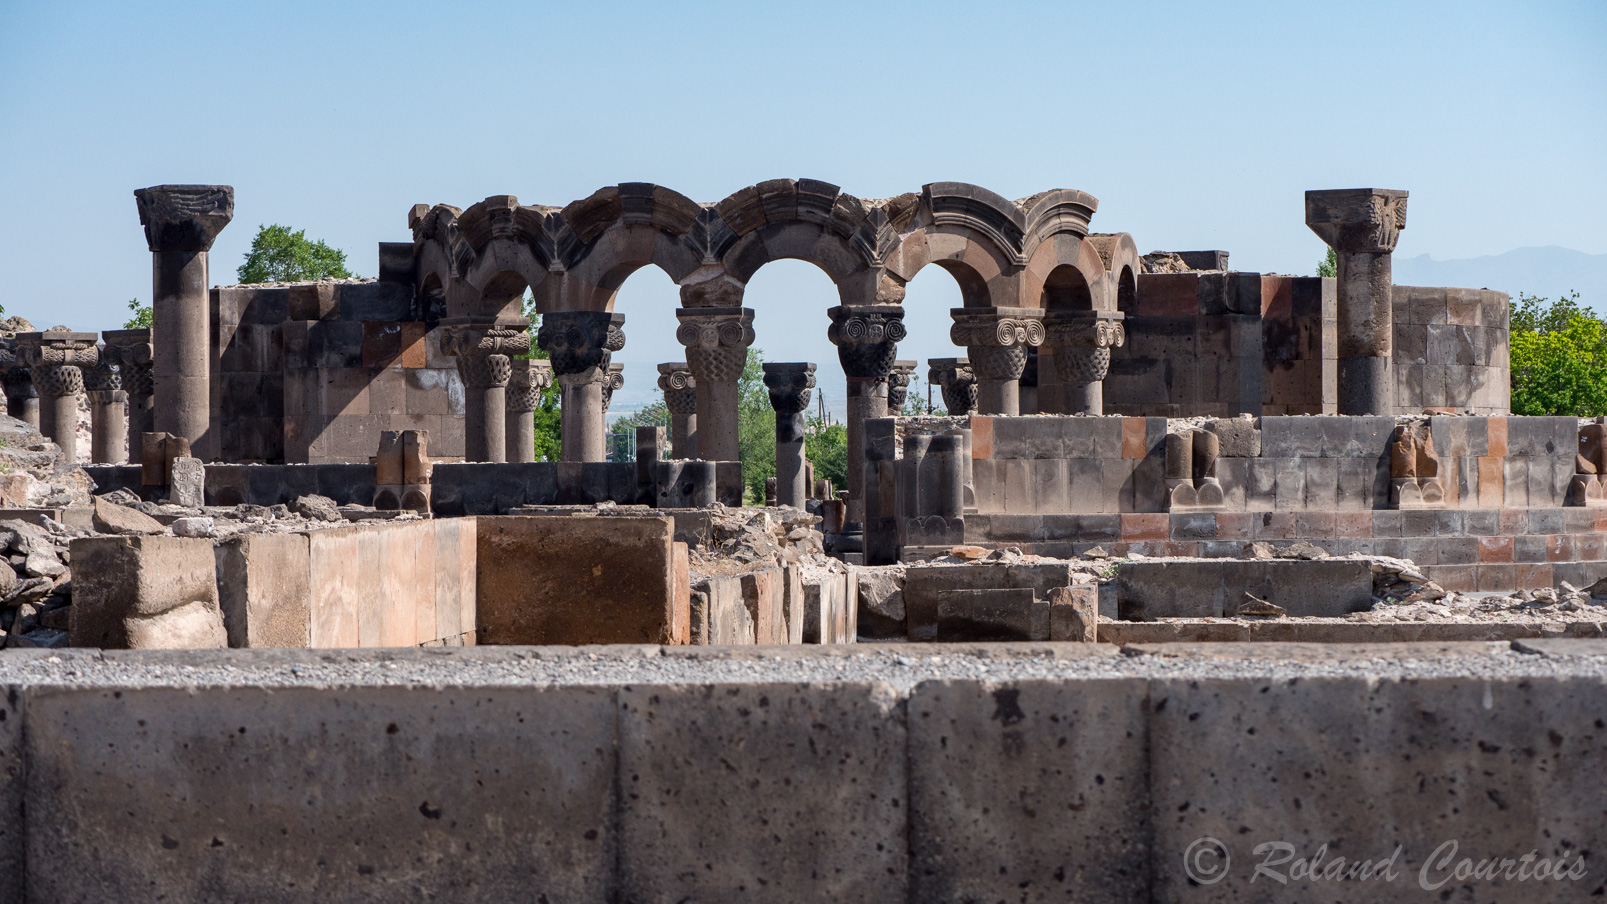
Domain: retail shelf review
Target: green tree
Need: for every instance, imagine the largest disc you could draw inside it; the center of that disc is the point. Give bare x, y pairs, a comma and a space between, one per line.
756, 429
1558, 358
279, 255
549, 419
827, 446
1330, 264
142, 316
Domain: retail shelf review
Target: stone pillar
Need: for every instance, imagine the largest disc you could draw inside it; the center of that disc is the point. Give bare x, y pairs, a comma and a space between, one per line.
22, 402
898, 385
954, 377
580, 343
108, 412
55, 358
530, 377
716, 341
1362, 225
680, 397
1082, 341
1027, 386
867, 339
131, 351
789, 385
996, 340
483, 351
181, 222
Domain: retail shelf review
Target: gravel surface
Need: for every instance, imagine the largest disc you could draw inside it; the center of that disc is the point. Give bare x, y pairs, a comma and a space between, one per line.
900, 665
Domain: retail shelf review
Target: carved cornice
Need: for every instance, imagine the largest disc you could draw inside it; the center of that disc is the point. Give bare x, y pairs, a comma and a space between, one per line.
184, 217
996, 327
58, 346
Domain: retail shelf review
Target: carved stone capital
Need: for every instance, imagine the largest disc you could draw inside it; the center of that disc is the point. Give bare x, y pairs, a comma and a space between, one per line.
957, 381
103, 377
54, 381
789, 384
1082, 341
18, 382
867, 338
485, 371
716, 341
680, 388
57, 346
612, 380
578, 341
530, 377
997, 327
471, 340
1357, 220
184, 217
898, 384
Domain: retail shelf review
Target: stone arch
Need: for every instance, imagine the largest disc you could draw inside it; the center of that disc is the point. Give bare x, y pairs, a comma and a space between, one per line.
800, 219
968, 231
600, 240
1119, 255
1047, 281
502, 239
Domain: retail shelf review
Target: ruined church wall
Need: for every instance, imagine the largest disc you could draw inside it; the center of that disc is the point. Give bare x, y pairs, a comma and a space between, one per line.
1452, 350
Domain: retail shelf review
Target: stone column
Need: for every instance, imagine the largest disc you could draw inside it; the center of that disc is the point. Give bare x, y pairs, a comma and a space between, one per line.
954, 377
108, 412
22, 402
1362, 225
530, 377
716, 341
789, 385
867, 339
580, 343
680, 397
483, 351
55, 358
996, 340
898, 385
181, 222
1082, 341
131, 350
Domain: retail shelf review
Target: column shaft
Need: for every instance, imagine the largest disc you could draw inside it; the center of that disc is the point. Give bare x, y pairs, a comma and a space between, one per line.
1366, 319
683, 435
109, 426
717, 424
866, 400
582, 414
181, 371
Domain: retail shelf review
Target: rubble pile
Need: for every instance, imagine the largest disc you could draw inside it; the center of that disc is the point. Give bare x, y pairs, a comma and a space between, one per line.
753, 539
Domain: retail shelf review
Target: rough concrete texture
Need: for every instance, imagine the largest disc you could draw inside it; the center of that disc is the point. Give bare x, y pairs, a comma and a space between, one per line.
439, 794
145, 593
1500, 767
602, 580
762, 792
12, 836
722, 796
1030, 791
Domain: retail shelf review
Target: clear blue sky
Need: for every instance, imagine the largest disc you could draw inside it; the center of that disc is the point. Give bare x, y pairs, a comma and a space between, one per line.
1197, 125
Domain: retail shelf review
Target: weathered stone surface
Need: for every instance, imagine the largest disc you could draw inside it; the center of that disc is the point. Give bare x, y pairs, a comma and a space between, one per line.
371, 794
808, 804
1501, 767
145, 592
316, 507
264, 590
187, 482
110, 518
923, 586
13, 857
192, 527
881, 600
1030, 791
1214, 587
599, 580
1074, 613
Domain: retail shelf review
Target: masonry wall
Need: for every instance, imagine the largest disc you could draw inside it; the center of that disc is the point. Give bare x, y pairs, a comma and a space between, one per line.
314, 372
1194, 347
1300, 345
1452, 350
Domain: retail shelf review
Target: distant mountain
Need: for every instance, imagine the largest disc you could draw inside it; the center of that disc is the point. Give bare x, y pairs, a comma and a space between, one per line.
1548, 272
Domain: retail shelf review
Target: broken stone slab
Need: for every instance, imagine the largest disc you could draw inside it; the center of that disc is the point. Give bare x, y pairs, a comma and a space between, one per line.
145, 592
188, 483
112, 518
1074, 614
192, 527
1200, 588
316, 508
881, 601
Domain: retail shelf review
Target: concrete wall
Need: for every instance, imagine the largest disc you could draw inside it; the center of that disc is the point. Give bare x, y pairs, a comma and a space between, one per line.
952, 787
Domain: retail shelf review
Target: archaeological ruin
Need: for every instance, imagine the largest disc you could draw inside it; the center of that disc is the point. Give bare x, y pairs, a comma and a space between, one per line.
1284, 502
